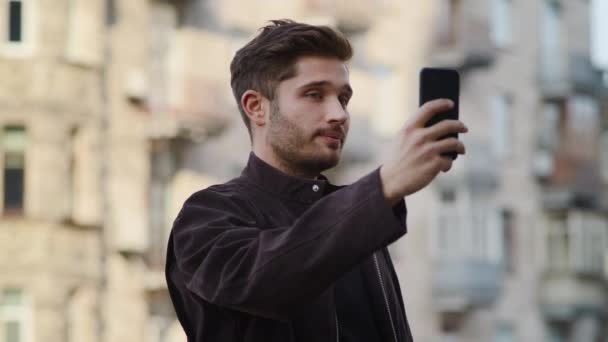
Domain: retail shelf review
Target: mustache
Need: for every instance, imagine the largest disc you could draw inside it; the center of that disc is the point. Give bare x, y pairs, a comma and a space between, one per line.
338, 131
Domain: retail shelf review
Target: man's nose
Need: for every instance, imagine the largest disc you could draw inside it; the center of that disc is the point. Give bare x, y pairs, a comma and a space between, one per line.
336, 112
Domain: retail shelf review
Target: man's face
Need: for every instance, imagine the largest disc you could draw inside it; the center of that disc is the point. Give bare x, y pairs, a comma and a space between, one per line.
308, 118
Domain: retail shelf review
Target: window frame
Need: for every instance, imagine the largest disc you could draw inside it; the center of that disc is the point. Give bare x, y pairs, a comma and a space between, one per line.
21, 313
24, 47
501, 109
6, 149
501, 31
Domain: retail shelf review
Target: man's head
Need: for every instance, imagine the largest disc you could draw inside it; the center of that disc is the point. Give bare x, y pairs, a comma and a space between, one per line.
292, 87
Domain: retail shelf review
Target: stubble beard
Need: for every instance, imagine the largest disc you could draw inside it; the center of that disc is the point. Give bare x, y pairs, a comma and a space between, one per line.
288, 142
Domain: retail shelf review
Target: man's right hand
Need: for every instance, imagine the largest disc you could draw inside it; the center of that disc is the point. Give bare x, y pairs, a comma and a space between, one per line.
418, 159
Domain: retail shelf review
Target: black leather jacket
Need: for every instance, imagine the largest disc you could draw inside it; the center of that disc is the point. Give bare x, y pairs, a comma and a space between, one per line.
255, 259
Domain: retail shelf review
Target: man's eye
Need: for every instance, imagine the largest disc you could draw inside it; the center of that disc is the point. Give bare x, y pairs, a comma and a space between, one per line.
344, 100
315, 95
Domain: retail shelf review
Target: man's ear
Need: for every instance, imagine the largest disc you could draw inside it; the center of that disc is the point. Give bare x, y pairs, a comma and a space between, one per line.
254, 105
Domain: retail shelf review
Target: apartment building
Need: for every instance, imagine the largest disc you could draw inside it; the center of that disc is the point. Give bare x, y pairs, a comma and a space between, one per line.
113, 112
517, 233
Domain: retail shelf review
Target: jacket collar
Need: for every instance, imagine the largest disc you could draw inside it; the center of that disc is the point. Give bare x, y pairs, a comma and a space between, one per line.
281, 184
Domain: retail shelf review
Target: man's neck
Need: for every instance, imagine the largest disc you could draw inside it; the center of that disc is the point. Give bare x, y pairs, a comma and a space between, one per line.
274, 161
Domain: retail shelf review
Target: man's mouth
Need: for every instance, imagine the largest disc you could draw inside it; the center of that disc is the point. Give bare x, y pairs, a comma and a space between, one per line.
333, 137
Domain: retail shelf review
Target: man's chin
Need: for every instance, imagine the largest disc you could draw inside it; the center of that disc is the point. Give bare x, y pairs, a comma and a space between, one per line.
330, 160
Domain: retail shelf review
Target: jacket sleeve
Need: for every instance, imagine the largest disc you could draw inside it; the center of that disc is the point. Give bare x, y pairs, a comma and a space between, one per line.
229, 261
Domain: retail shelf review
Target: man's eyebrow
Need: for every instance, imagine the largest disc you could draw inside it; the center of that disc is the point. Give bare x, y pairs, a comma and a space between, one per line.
346, 87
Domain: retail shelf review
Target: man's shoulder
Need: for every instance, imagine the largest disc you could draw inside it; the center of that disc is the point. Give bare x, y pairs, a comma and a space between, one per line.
234, 189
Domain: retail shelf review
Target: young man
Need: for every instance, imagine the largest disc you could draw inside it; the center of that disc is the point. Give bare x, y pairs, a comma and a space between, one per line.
279, 253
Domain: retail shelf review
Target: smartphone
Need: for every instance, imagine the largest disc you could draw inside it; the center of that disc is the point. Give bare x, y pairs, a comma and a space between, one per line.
438, 83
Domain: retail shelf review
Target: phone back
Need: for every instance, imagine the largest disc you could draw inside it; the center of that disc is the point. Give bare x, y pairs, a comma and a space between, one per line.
436, 83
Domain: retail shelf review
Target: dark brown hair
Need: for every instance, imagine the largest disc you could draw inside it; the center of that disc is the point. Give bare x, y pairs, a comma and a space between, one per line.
269, 58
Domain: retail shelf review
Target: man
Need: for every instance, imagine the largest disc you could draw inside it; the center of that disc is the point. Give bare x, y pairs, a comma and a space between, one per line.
279, 253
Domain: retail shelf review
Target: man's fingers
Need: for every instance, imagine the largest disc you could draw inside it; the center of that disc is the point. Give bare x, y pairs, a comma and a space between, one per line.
448, 145
444, 163
429, 109
445, 127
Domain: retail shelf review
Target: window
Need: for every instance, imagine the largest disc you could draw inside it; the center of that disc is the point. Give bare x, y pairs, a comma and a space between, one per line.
467, 228
15, 21
502, 124
504, 333
14, 316
558, 331
551, 41
17, 29
84, 32
599, 31
163, 165
14, 169
552, 118
577, 241
501, 22
159, 323
588, 243
508, 239
604, 155
447, 229
448, 21
558, 242
583, 126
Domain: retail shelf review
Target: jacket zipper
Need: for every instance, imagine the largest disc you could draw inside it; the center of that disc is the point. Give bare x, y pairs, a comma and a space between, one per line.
337, 329
390, 316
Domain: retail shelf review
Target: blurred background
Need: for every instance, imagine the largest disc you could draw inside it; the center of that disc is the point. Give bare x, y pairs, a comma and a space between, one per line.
114, 111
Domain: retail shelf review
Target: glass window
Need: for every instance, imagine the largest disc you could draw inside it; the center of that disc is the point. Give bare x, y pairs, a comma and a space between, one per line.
501, 22
558, 331
502, 124
551, 118
551, 41
12, 297
588, 244
503, 333
12, 316
604, 155
15, 21
558, 239
599, 31
508, 239
14, 142
447, 230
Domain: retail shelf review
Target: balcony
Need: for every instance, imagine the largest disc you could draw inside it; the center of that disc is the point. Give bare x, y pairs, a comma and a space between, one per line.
563, 297
468, 249
459, 285
560, 77
574, 279
190, 100
573, 179
464, 45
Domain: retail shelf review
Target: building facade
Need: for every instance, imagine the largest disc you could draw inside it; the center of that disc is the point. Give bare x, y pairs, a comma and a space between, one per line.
113, 112
516, 233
